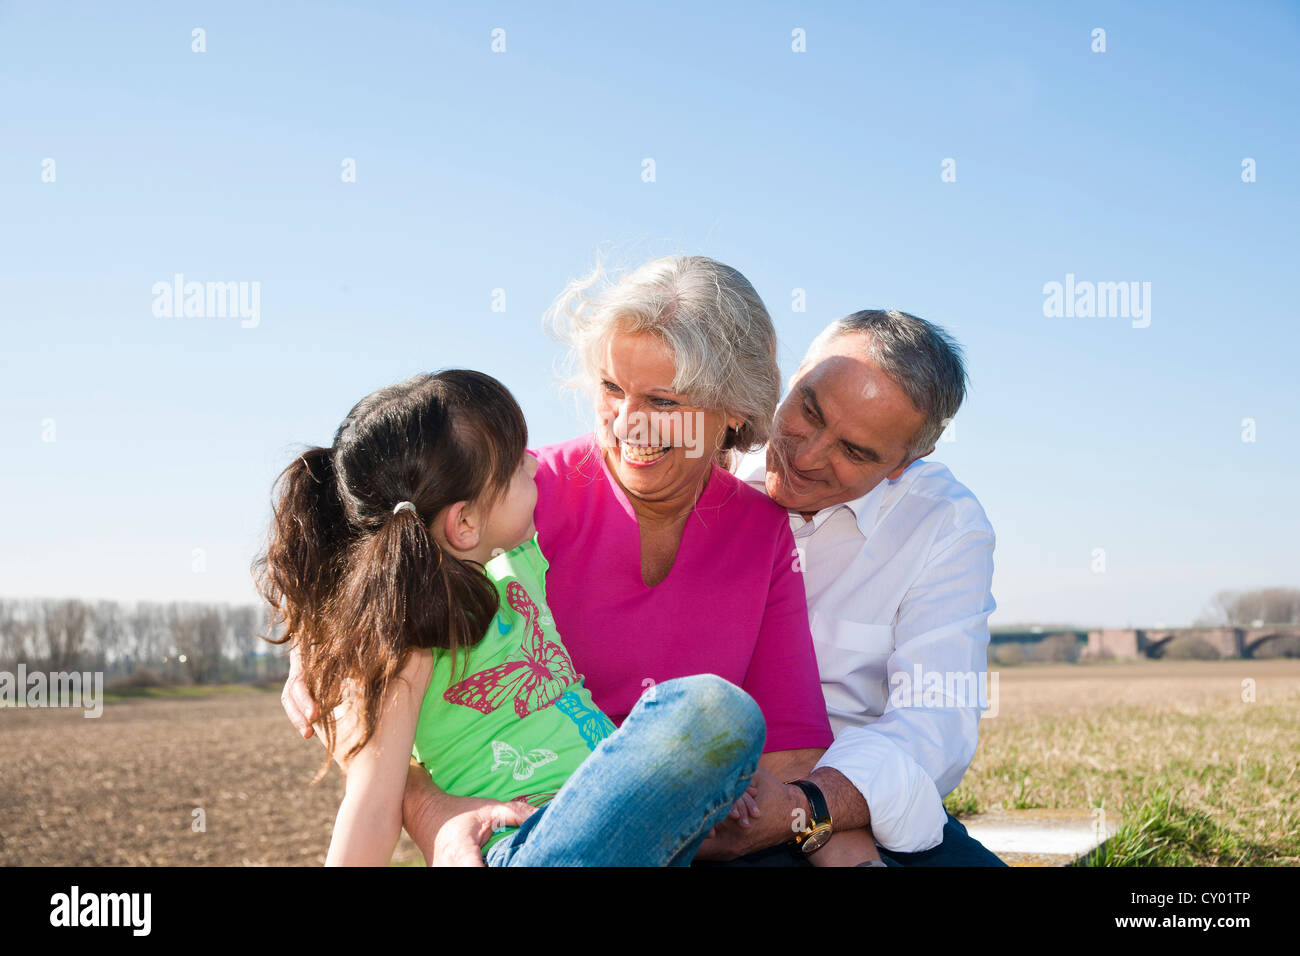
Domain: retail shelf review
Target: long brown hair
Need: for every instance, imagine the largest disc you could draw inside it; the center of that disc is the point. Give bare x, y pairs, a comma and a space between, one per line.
359, 586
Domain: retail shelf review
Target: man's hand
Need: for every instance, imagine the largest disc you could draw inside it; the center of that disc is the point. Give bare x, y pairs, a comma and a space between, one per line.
460, 840
451, 831
772, 823
297, 703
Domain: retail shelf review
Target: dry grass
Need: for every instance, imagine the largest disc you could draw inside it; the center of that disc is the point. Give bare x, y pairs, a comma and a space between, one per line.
1198, 775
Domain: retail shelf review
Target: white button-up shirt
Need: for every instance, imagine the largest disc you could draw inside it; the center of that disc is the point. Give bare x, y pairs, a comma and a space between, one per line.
898, 584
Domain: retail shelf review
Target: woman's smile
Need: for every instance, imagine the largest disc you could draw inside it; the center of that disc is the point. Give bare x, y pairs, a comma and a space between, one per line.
642, 456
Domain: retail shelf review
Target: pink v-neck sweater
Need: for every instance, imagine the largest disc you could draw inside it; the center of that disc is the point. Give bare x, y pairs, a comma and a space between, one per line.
732, 605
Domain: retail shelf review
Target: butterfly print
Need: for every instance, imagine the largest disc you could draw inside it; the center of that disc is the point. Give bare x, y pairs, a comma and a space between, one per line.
592, 724
534, 682
523, 764
537, 799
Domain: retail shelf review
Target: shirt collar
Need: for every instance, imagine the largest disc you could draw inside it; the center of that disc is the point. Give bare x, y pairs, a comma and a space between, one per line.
867, 507
752, 469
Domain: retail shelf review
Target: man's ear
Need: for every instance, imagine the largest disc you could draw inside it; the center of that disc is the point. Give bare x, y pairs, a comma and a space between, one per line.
894, 475
460, 526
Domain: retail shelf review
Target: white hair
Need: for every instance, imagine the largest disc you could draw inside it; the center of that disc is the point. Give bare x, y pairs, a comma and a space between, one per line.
708, 314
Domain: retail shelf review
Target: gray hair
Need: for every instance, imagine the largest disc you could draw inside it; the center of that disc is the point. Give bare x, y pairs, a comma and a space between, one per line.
922, 358
708, 314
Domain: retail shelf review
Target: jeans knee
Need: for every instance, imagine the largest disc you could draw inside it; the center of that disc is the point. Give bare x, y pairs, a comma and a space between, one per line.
715, 706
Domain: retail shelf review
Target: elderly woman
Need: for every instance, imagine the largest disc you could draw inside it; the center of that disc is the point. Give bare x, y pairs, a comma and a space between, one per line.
662, 563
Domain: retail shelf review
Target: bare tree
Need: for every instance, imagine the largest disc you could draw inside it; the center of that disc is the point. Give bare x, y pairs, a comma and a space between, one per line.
148, 634
64, 631
108, 623
1243, 608
25, 630
212, 636
183, 638
17, 629
198, 632
243, 636
8, 628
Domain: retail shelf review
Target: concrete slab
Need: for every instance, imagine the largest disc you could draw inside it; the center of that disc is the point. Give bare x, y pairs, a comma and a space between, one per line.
1041, 837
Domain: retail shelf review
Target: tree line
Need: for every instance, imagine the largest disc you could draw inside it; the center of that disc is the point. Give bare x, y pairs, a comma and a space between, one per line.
175, 642
187, 642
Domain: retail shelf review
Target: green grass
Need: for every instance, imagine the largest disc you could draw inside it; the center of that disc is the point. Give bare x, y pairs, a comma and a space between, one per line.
183, 691
961, 802
1194, 773
1163, 831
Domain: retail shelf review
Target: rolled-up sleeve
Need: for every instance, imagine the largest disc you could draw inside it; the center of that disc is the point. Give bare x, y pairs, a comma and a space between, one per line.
913, 755
782, 674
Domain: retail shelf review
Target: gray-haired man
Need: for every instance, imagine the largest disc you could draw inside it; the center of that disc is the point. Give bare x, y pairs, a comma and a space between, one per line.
898, 562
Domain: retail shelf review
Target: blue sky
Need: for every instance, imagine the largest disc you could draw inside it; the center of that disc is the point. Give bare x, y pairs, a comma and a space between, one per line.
818, 170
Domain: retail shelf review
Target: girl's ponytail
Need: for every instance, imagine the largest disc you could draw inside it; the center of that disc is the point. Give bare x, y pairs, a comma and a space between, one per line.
309, 533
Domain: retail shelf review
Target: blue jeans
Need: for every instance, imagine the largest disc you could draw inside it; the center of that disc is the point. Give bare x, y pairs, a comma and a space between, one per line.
650, 792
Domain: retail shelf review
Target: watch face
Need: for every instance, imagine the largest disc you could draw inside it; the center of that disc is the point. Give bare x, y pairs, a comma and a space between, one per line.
815, 840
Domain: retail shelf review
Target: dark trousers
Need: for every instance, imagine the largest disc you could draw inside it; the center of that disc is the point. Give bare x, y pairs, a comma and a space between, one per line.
958, 848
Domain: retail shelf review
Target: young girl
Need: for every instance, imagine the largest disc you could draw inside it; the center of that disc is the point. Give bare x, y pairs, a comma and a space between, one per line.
403, 563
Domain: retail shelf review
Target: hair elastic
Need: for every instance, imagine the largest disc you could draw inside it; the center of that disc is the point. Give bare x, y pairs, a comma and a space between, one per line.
406, 506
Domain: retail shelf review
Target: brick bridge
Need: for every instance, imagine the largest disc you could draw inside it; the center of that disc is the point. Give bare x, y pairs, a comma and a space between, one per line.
1228, 641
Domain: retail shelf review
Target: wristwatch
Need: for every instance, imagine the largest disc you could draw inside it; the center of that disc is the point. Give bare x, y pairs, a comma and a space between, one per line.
814, 836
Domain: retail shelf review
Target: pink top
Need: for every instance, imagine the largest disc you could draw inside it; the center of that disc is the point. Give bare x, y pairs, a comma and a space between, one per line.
732, 605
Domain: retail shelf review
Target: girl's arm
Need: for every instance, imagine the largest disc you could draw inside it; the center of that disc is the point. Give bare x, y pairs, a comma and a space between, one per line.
369, 820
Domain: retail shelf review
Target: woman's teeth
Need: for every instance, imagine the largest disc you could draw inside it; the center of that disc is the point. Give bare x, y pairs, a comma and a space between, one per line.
642, 454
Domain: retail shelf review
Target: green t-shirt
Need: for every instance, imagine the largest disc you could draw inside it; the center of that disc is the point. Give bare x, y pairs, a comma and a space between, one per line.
515, 721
